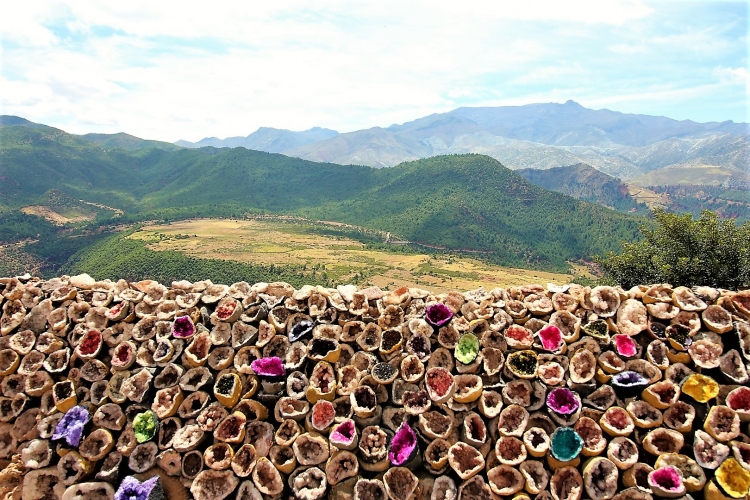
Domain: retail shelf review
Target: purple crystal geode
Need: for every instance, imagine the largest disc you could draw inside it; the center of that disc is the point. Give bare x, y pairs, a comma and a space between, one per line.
132, 489
403, 445
183, 327
71, 425
268, 367
562, 401
438, 314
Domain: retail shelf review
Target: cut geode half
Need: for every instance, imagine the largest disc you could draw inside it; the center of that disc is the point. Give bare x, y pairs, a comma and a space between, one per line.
628, 383
582, 366
717, 319
244, 460
519, 337
436, 454
563, 401
435, 424
310, 449
183, 327
167, 429
534, 474
465, 460
344, 435
722, 423
412, 369
309, 484
705, 353
214, 485
322, 383
693, 476
644, 415
660, 441
64, 395
143, 457
342, 465
510, 450
364, 401
600, 476
370, 489
732, 478
666, 482
739, 401
551, 339
733, 368
373, 449
415, 402
522, 364
322, 415
403, 447
566, 484
513, 420
384, 373
295, 409
467, 348
700, 387
680, 416
96, 445
438, 314
440, 384
468, 388
192, 405
616, 421
662, 394
145, 426
623, 452
195, 378
71, 425
232, 428
300, 330
565, 444
37, 454
598, 330
282, 457
132, 489
678, 336
708, 452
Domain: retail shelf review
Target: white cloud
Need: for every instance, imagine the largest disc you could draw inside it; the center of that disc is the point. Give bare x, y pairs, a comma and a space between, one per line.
171, 70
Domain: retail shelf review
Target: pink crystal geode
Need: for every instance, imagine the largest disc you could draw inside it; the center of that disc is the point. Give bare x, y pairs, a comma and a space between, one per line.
403, 445
268, 367
562, 401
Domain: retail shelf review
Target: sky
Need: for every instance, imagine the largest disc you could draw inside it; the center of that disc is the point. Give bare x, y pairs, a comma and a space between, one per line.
187, 70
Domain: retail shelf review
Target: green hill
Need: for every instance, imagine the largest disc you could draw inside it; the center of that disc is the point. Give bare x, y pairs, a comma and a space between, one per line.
464, 202
128, 142
471, 202
584, 183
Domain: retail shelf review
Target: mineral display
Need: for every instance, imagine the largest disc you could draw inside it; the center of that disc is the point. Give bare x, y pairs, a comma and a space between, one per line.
118, 390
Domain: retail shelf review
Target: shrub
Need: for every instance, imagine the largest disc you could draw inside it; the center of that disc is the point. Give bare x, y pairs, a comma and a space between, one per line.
682, 251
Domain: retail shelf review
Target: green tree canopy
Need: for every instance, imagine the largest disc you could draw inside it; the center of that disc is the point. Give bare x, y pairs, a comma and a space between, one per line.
684, 252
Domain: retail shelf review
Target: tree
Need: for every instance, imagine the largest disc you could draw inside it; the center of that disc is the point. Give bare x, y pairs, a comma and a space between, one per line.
684, 252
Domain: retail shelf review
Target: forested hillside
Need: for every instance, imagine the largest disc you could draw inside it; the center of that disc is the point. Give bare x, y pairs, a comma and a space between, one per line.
584, 183
470, 203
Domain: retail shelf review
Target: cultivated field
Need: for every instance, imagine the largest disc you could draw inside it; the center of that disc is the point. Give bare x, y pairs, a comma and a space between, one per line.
343, 259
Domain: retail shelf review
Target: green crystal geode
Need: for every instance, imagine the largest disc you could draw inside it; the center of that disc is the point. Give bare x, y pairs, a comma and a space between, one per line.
467, 348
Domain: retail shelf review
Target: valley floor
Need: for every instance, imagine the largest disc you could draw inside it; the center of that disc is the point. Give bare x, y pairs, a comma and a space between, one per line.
283, 242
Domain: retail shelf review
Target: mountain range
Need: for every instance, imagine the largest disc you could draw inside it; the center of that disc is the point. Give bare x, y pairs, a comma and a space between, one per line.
537, 136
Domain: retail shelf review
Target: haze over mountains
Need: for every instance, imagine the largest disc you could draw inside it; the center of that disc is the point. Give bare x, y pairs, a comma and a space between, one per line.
537, 136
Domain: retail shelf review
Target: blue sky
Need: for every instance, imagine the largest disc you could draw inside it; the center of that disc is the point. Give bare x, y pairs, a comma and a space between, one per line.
186, 70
